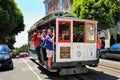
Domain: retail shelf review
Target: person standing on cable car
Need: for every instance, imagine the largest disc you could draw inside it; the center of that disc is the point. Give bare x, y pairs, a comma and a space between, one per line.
36, 38
43, 35
49, 47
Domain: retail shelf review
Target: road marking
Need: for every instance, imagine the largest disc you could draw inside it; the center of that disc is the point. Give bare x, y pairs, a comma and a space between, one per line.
109, 68
32, 69
25, 69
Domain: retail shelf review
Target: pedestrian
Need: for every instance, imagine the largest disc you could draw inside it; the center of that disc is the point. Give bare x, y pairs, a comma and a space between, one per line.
43, 35
103, 43
49, 47
99, 44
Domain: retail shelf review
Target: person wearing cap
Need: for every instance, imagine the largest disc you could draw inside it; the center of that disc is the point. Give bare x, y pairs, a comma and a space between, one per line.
35, 39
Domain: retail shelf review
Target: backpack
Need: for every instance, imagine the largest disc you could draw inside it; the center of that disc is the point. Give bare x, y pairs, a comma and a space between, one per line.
40, 44
44, 44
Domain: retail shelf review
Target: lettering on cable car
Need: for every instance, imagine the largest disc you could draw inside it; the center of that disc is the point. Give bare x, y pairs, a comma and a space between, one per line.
64, 52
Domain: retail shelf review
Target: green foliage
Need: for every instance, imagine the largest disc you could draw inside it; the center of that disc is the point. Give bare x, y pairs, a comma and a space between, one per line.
11, 21
13, 54
23, 48
10, 40
118, 38
112, 40
117, 11
101, 10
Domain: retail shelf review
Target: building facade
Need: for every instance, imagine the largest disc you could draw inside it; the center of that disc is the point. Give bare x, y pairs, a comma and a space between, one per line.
57, 5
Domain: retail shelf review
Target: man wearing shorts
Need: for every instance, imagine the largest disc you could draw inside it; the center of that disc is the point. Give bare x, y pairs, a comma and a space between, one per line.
49, 46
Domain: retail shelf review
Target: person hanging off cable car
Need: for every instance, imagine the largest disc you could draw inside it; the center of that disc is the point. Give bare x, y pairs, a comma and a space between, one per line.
49, 47
36, 38
43, 35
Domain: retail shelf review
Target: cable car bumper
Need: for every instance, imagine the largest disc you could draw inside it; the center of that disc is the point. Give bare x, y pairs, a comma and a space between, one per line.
92, 63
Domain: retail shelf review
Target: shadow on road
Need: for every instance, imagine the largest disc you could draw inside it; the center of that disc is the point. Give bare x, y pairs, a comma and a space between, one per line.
92, 74
100, 75
51, 75
111, 59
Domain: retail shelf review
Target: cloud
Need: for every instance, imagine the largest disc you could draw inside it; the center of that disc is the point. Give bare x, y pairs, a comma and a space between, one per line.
21, 38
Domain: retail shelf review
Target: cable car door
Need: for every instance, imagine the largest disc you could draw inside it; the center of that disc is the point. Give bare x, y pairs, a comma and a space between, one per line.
78, 41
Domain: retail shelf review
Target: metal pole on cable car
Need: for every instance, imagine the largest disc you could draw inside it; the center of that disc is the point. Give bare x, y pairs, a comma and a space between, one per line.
53, 45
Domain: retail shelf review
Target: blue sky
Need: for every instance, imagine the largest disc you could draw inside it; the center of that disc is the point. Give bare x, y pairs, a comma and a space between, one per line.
32, 10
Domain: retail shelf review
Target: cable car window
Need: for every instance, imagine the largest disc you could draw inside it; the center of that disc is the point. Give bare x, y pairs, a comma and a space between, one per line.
64, 32
91, 33
78, 32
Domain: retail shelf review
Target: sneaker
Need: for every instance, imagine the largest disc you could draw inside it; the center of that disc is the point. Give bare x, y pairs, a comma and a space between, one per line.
44, 66
52, 69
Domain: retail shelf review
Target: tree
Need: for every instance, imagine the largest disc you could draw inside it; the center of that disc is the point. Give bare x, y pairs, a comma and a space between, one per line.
101, 10
117, 11
10, 40
23, 48
11, 21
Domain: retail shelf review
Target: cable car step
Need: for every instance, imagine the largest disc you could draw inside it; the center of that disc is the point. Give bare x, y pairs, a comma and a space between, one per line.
75, 70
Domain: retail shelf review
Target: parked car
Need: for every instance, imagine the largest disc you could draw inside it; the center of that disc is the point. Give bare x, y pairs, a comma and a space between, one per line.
23, 54
112, 52
5, 57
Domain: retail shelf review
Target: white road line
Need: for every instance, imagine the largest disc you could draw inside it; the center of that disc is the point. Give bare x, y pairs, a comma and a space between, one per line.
32, 69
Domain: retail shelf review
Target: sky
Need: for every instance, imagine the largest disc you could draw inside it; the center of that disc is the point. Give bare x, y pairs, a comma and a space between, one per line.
32, 10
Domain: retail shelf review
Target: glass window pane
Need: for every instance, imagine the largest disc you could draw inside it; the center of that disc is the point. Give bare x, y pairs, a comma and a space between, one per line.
90, 34
64, 30
3, 49
78, 33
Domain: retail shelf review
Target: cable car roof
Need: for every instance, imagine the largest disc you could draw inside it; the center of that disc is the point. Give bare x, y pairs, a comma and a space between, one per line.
60, 15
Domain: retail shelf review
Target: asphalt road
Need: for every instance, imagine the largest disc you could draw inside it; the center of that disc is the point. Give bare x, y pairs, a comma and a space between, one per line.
26, 69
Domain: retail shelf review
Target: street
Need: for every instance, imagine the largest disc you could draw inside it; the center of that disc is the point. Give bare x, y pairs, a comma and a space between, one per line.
24, 69
65, 36
27, 69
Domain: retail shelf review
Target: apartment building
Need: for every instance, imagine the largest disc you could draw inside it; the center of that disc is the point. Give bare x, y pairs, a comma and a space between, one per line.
57, 5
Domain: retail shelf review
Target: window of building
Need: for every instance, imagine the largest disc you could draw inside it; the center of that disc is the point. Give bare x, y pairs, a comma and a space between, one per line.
58, 6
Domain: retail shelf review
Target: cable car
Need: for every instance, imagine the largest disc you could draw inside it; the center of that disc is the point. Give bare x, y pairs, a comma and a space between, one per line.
74, 44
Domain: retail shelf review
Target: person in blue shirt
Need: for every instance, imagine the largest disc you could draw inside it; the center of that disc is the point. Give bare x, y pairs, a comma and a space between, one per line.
49, 46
